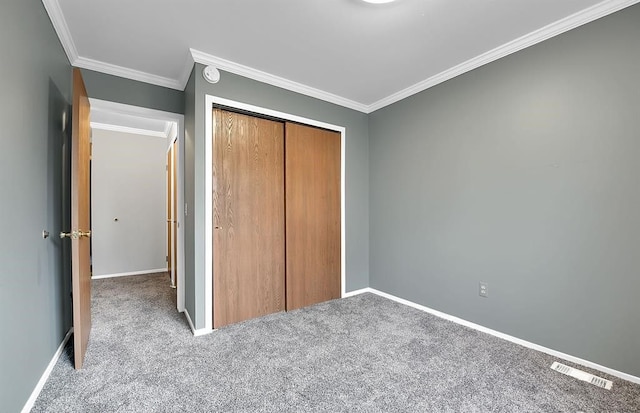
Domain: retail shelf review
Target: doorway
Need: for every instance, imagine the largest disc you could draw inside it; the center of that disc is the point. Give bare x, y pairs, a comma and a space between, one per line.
136, 195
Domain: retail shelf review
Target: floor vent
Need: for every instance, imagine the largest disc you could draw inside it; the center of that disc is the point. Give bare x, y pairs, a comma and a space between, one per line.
582, 375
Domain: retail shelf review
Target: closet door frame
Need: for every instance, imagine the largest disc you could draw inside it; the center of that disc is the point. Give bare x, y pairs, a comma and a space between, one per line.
210, 102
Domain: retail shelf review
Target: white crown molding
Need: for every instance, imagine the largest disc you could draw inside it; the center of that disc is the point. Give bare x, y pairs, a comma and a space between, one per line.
264, 77
127, 73
130, 110
561, 26
62, 29
554, 29
134, 131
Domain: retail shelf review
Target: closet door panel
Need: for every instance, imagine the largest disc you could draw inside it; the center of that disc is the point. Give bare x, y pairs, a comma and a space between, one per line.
312, 198
249, 226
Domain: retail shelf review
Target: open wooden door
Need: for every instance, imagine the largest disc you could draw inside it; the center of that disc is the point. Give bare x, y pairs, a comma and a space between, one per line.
80, 213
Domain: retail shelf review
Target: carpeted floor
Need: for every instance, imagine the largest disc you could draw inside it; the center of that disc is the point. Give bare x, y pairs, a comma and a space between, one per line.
359, 354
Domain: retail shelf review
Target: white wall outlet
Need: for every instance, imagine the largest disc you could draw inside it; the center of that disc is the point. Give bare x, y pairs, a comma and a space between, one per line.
484, 290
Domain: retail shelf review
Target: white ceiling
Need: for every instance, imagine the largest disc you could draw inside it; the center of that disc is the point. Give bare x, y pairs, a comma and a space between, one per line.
352, 53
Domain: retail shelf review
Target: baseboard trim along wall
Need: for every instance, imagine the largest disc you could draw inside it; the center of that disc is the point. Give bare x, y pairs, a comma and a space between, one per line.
196, 332
516, 340
126, 274
47, 372
357, 292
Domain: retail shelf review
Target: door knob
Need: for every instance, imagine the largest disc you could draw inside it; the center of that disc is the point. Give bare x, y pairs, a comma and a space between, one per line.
75, 234
72, 235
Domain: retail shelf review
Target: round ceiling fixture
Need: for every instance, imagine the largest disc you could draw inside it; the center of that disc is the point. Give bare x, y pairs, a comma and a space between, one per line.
211, 74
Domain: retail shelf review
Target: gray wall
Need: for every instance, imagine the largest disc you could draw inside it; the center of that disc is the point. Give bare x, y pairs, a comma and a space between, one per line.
523, 174
357, 169
128, 182
189, 196
35, 310
130, 92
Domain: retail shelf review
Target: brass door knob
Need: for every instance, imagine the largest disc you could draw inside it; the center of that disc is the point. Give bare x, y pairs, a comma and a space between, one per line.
75, 234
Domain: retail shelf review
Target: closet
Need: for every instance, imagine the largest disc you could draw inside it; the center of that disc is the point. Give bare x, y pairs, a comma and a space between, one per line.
276, 216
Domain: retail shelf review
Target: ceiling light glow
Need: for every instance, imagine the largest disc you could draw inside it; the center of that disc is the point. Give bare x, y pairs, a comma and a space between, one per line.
378, 1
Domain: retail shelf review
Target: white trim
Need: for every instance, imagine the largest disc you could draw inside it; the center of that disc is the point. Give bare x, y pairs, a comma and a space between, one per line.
127, 129
62, 29
47, 372
507, 337
170, 131
209, 101
130, 110
56, 16
127, 73
180, 259
264, 77
194, 331
580, 18
126, 274
357, 292
208, 212
343, 206
554, 29
178, 119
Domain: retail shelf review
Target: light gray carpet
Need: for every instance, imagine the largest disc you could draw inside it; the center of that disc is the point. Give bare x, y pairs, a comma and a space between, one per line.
359, 354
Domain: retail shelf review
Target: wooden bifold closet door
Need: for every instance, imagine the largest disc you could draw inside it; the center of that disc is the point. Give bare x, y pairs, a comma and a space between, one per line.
276, 206
248, 208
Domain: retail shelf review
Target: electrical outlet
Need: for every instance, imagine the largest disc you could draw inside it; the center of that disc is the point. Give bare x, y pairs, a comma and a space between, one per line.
484, 290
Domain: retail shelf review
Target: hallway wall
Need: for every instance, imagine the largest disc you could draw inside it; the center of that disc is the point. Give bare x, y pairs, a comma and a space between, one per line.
128, 181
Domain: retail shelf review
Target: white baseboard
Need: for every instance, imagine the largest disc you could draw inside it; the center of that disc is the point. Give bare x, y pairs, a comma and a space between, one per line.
196, 332
528, 344
126, 274
357, 292
47, 372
